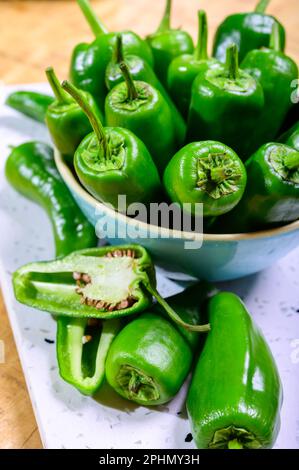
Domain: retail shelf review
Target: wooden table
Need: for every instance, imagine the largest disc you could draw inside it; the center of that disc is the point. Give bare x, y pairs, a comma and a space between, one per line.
36, 34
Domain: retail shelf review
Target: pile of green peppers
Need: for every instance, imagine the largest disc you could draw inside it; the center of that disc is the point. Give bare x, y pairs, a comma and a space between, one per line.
159, 119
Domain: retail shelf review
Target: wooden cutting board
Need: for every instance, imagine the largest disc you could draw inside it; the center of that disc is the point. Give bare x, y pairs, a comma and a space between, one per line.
36, 34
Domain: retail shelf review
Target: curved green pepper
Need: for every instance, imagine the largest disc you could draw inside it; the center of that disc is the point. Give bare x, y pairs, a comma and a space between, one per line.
275, 72
89, 61
167, 43
219, 97
272, 191
112, 161
247, 30
205, 172
31, 170
66, 121
235, 395
105, 283
141, 108
291, 137
30, 103
184, 69
141, 71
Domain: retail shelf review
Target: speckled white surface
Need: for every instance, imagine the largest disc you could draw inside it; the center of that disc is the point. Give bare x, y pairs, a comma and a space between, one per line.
66, 419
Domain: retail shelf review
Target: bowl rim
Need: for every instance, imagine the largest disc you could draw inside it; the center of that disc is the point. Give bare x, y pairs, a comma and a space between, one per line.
78, 189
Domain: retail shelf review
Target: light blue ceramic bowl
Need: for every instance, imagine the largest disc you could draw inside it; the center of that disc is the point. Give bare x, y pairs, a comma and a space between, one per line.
220, 258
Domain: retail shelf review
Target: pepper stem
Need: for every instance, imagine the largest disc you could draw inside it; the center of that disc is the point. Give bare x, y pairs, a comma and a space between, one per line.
275, 40
94, 22
232, 62
173, 315
132, 92
262, 6
201, 51
92, 115
165, 22
234, 444
61, 96
291, 161
118, 55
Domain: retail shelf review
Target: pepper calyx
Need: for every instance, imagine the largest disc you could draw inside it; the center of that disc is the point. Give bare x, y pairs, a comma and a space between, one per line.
136, 385
234, 437
120, 99
218, 175
285, 161
93, 158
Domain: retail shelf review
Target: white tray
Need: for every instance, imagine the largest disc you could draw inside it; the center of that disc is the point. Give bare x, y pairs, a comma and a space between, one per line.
67, 419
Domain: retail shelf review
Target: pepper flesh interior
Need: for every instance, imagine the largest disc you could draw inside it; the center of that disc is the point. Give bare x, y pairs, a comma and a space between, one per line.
108, 281
105, 283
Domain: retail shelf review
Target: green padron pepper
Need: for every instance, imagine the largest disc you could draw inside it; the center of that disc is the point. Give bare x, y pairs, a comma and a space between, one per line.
89, 61
205, 172
235, 395
141, 108
225, 105
167, 43
150, 358
31, 170
291, 137
184, 69
105, 283
141, 71
247, 30
30, 103
66, 121
275, 72
272, 192
112, 161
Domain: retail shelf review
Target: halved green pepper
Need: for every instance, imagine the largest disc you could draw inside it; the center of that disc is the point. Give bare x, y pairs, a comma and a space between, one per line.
209, 173
183, 69
82, 346
235, 395
275, 72
66, 121
150, 358
167, 43
30, 103
89, 61
247, 30
141, 71
112, 161
225, 105
105, 283
141, 108
272, 192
